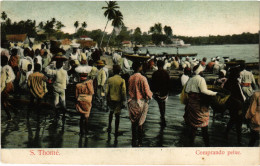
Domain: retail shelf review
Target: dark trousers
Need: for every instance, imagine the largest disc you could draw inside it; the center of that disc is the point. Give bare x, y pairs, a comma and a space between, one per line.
205, 135
236, 116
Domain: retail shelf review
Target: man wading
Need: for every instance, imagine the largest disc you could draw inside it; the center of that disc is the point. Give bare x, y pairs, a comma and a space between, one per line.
197, 110
116, 95
140, 94
160, 88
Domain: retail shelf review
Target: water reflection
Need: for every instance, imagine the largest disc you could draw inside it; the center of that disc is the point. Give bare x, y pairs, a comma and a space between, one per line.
81, 143
159, 137
34, 142
109, 140
56, 135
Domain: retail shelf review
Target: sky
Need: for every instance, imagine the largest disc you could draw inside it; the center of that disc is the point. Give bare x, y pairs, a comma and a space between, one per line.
186, 18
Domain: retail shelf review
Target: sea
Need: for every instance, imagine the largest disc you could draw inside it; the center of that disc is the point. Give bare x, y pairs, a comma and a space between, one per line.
247, 52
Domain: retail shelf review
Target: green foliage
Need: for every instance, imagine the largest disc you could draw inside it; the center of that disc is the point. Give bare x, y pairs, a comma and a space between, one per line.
76, 25
84, 25
244, 38
112, 14
167, 31
53, 28
3, 16
59, 25
158, 38
117, 21
137, 36
21, 27
110, 9
156, 29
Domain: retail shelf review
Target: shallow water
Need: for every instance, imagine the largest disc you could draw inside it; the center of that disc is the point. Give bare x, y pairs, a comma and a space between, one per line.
248, 52
46, 131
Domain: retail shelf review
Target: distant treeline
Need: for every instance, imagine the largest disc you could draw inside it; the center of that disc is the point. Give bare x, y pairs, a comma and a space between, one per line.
52, 29
244, 38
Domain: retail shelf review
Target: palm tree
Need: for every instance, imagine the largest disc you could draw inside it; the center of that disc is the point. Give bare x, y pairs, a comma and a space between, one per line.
117, 22
110, 12
76, 25
84, 25
3, 16
59, 25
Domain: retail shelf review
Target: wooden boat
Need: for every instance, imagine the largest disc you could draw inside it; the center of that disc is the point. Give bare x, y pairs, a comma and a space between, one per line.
135, 57
249, 65
164, 54
252, 65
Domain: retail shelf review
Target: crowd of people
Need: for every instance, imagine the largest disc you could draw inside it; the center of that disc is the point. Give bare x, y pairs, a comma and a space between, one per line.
40, 72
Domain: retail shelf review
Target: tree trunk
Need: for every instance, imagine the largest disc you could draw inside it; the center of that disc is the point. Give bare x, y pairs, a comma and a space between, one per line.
110, 37
103, 34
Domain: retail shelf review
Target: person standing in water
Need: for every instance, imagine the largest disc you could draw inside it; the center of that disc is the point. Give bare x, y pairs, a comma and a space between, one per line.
160, 88
116, 96
140, 94
84, 93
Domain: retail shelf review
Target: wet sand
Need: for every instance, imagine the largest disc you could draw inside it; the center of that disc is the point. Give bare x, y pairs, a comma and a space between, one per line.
46, 131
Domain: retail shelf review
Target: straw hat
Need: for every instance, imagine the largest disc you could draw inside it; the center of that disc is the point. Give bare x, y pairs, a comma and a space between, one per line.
100, 63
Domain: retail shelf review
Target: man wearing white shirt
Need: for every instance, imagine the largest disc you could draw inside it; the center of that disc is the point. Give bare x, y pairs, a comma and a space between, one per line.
7, 78
247, 81
197, 109
60, 84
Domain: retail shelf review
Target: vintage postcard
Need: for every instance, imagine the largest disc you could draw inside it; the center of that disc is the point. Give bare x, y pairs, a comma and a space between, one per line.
130, 82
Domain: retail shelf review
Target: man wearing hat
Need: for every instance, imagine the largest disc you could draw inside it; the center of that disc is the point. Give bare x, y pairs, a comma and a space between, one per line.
116, 96
84, 93
197, 109
101, 80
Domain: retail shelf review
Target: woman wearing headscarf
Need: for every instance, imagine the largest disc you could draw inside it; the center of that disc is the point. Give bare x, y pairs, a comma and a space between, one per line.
197, 108
84, 93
